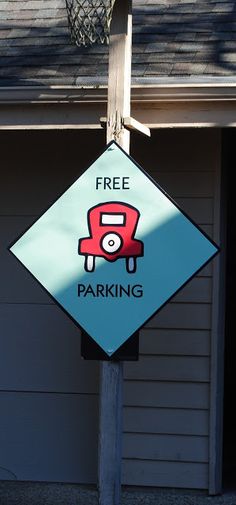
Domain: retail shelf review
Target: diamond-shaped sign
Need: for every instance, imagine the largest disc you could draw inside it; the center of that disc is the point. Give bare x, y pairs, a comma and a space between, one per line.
113, 249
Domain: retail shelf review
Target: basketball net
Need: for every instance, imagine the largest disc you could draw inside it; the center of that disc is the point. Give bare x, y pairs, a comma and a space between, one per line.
89, 21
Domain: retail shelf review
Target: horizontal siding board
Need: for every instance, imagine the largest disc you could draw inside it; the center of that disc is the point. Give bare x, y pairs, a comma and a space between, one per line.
169, 368
165, 474
46, 170
198, 209
40, 188
208, 229
48, 437
180, 315
166, 421
198, 290
188, 150
165, 447
178, 342
183, 184
17, 284
40, 351
206, 271
187, 395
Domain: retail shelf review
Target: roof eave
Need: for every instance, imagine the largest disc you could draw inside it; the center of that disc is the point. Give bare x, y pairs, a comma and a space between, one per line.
156, 105
142, 91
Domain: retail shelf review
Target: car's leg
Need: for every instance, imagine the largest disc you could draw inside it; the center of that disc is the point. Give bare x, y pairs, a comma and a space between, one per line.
131, 264
89, 263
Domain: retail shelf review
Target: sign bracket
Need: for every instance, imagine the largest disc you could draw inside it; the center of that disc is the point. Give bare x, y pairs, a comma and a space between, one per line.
130, 124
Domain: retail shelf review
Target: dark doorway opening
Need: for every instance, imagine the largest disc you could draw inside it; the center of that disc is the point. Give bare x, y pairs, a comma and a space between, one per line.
229, 449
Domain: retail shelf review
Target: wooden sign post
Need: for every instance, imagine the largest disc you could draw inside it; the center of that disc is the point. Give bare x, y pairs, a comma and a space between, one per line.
111, 378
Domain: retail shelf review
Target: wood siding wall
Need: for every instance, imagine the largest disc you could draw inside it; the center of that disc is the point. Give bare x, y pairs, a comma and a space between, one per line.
167, 393
48, 395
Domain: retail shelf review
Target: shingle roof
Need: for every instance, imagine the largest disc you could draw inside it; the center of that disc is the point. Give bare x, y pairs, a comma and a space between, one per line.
174, 38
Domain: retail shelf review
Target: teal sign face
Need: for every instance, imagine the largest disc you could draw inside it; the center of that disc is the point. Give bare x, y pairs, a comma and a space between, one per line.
113, 249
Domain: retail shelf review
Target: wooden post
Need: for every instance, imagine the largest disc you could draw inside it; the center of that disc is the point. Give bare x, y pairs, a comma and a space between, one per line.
119, 77
110, 433
111, 376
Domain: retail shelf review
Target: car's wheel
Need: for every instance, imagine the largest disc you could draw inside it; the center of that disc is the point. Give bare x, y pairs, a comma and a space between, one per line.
111, 243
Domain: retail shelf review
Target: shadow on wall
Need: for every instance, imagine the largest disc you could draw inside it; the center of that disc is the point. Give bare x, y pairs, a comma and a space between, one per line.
170, 39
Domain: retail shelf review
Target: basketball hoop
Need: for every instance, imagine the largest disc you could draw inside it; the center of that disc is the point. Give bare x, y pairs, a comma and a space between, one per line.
89, 21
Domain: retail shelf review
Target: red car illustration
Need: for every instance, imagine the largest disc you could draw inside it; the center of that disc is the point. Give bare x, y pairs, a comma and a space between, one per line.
112, 227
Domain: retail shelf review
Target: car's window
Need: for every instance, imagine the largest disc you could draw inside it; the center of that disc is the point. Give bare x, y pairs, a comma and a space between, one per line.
113, 219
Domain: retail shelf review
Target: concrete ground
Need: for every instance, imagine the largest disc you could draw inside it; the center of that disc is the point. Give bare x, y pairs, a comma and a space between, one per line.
25, 493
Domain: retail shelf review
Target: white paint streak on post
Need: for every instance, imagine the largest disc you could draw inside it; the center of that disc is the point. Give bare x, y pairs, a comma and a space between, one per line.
110, 429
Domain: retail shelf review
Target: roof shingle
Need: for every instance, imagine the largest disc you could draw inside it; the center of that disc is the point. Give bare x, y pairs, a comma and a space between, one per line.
172, 38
